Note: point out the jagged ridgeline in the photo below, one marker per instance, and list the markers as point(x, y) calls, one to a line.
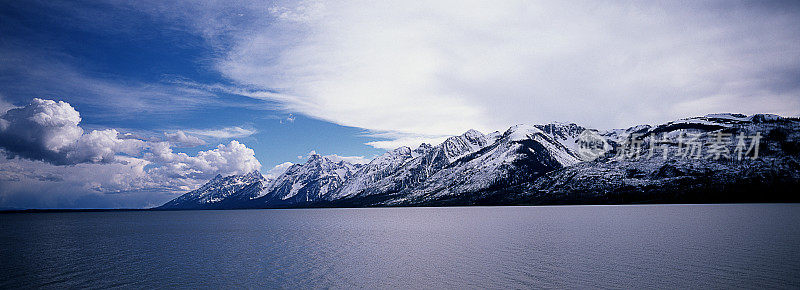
point(715, 158)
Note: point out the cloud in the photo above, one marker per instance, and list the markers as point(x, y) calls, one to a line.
point(394, 140)
point(38, 184)
point(5, 106)
point(103, 146)
point(147, 180)
point(182, 139)
point(38, 139)
point(442, 67)
point(48, 130)
point(36, 71)
point(233, 158)
point(224, 133)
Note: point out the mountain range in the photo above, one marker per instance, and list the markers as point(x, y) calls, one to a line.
point(714, 158)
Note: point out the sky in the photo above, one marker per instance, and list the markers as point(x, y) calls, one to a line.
point(127, 104)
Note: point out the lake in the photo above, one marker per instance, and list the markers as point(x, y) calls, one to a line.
point(637, 246)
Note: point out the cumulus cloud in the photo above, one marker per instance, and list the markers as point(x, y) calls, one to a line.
point(233, 158)
point(180, 138)
point(48, 130)
point(227, 132)
point(102, 146)
point(442, 67)
point(38, 139)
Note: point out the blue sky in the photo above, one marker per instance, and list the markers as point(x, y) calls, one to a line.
point(172, 93)
point(129, 47)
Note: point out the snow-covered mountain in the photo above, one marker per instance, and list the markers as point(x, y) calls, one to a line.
point(533, 165)
point(377, 170)
point(689, 171)
point(521, 153)
point(221, 192)
point(308, 182)
point(413, 169)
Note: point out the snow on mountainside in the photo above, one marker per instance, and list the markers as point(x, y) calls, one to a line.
point(537, 164)
point(220, 190)
point(566, 134)
point(521, 153)
point(415, 171)
point(318, 177)
point(689, 170)
point(376, 170)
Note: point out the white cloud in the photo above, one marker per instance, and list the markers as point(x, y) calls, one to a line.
point(224, 133)
point(45, 124)
point(5, 106)
point(394, 140)
point(38, 139)
point(48, 130)
point(233, 158)
point(180, 138)
point(103, 146)
point(442, 67)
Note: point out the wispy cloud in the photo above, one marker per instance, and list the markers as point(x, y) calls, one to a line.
point(391, 140)
point(443, 67)
point(45, 73)
point(224, 133)
point(180, 138)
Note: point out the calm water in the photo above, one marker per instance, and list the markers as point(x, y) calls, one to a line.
point(663, 246)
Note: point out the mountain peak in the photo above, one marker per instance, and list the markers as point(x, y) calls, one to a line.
point(218, 191)
point(401, 150)
point(254, 173)
point(314, 157)
point(472, 133)
point(423, 147)
point(521, 132)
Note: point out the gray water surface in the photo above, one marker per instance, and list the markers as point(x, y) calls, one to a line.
point(652, 246)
